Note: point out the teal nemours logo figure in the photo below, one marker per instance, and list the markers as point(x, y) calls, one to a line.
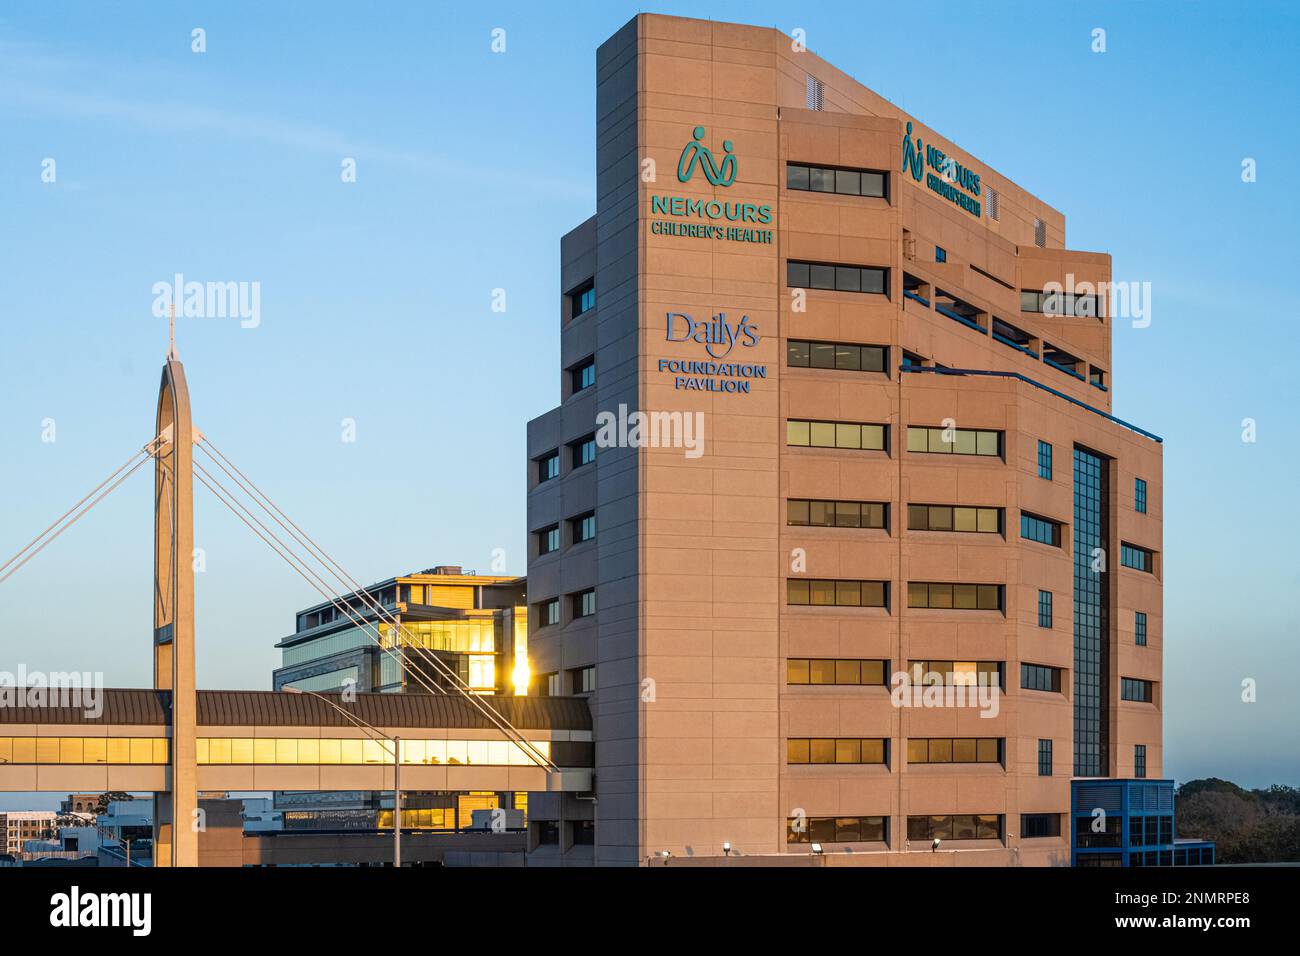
point(695, 151)
point(911, 154)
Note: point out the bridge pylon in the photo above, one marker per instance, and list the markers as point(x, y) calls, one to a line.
point(176, 821)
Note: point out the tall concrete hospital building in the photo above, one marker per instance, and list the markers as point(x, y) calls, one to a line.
point(878, 439)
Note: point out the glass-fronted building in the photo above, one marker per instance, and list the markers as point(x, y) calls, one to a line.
point(477, 625)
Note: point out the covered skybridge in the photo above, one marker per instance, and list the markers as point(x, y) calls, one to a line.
point(266, 740)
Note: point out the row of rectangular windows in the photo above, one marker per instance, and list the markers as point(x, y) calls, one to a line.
point(872, 437)
point(581, 604)
point(855, 672)
point(581, 528)
point(966, 597)
point(844, 182)
point(875, 829)
point(582, 451)
point(806, 512)
point(1131, 688)
point(261, 750)
point(846, 750)
point(850, 435)
point(836, 355)
point(820, 592)
point(834, 277)
point(954, 750)
point(1140, 559)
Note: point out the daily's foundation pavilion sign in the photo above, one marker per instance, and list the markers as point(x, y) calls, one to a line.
point(713, 219)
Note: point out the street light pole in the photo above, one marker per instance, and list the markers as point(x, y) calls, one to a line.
point(397, 765)
point(397, 802)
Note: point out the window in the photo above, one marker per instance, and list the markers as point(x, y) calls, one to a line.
point(1140, 628)
point(584, 679)
point(1140, 495)
point(912, 360)
point(803, 750)
point(956, 673)
point(584, 832)
point(548, 466)
point(583, 298)
point(583, 451)
point(548, 832)
point(1042, 530)
point(837, 355)
point(954, 750)
point(954, 518)
point(1060, 304)
point(583, 375)
point(836, 278)
point(954, 441)
point(940, 254)
point(817, 670)
point(548, 612)
point(803, 512)
point(1044, 758)
point(963, 826)
point(548, 685)
point(1040, 677)
point(961, 597)
point(819, 593)
point(1044, 460)
point(1044, 608)
point(1142, 691)
point(1131, 556)
point(837, 830)
point(548, 539)
point(1097, 377)
point(1139, 760)
point(853, 435)
point(845, 182)
point(583, 527)
point(584, 603)
point(1034, 825)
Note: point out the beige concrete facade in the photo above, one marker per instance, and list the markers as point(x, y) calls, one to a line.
point(693, 629)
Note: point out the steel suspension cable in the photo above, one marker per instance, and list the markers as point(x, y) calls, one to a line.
point(63, 522)
point(295, 561)
point(333, 567)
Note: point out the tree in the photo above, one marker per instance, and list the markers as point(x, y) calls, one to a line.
point(101, 805)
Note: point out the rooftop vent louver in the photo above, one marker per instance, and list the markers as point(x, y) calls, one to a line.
point(995, 211)
point(816, 93)
point(1040, 234)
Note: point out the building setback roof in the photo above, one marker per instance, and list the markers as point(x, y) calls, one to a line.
point(225, 708)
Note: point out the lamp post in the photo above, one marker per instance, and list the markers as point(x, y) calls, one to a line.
point(397, 765)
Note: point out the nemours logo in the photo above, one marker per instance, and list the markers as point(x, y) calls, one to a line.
point(912, 154)
point(74, 908)
point(949, 173)
point(695, 151)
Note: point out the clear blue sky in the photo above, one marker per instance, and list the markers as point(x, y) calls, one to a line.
point(376, 295)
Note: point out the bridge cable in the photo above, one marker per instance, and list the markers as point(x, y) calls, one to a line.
point(33, 548)
point(334, 568)
point(299, 564)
